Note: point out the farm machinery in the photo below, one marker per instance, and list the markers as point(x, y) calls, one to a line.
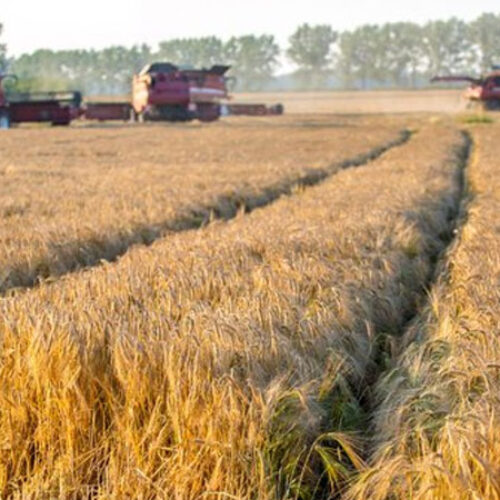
point(57, 108)
point(164, 92)
point(482, 92)
point(160, 92)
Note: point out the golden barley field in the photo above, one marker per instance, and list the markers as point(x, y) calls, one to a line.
point(289, 308)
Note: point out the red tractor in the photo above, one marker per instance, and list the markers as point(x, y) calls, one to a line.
point(483, 91)
point(58, 108)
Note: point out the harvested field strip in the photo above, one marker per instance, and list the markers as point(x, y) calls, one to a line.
point(442, 440)
point(226, 362)
point(52, 229)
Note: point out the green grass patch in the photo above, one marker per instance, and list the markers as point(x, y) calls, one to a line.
point(479, 118)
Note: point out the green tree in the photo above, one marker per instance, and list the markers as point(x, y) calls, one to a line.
point(253, 60)
point(401, 44)
point(311, 49)
point(3, 52)
point(193, 52)
point(447, 46)
point(362, 57)
point(107, 71)
point(40, 70)
point(485, 34)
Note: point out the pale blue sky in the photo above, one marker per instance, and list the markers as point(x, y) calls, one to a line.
point(58, 24)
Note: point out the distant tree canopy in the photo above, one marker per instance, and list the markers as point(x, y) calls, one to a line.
point(310, 48)
point(253, 59)
point(3, 51)
point(447, 46)
point(94, 71)
point(195, 52)
point(400, 54)
point(485, 36)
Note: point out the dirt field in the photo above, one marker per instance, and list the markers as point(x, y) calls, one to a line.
point(233, 310)
point(348, 102)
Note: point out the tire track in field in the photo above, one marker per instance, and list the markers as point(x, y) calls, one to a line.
point(382, 357)
point(91, 253)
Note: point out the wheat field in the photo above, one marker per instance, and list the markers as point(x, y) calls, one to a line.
point(71, 198)
point(292, 308)
point(442, 441)
point(362, 102)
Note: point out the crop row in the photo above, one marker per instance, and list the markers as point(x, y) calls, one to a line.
point(72, 198)
point(438, 417)
point(228, 362)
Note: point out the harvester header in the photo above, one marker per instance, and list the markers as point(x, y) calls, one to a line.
point(482, 91)
point(57, 108)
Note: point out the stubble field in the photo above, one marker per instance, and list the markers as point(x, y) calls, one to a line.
point(363, 102)
point(280, 308)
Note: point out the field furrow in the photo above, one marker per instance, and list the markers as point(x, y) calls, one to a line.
point(73, 199)
point(437, 424)
point(228, 362)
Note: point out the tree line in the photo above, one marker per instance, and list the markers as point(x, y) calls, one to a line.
point(401, 54)
point(3, 52)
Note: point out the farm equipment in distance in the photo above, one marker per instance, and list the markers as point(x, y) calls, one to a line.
point(57, 108)
point(163, 92)
point(482, 92)
point(160, 92)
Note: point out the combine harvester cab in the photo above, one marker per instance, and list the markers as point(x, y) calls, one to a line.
point(483, 92)
point(57, 108)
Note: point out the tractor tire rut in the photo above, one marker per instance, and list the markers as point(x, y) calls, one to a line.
point(384, 357)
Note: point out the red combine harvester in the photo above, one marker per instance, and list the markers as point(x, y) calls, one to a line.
point(482, 92)
point(57, 108)
point(163, 92)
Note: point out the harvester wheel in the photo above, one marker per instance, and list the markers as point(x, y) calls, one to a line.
point(4, 119)
point(208, 112)
point(277, 109)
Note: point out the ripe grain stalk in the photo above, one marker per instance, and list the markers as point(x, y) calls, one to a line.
point(72, 199)
point(441, 440)
point(228, 361)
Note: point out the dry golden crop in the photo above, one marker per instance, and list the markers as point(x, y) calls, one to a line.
point(228, 362)
point(350, 102)
point(438, 419)
point(70, 198)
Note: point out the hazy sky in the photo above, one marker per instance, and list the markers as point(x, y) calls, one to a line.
point(58, 24)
